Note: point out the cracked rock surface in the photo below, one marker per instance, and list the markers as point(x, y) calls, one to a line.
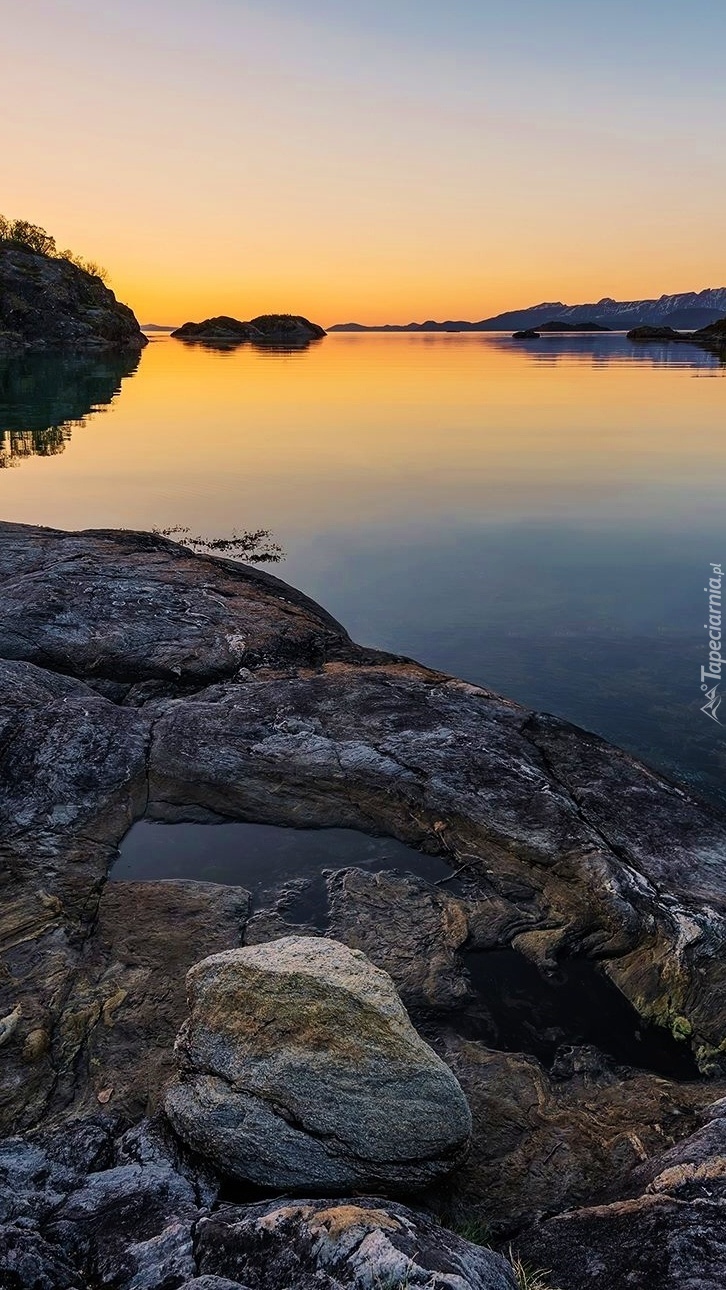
point(139, 680)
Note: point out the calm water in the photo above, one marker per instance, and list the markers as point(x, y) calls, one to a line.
point(265, 859)
point(540, 518)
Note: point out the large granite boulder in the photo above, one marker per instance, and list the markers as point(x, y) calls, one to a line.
point(48, 302)
point(299, 1069)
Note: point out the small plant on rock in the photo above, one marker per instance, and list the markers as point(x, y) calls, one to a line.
point(253, 546)
point(529, 1278)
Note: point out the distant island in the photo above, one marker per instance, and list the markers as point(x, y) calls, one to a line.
point(266, 329)
point(687, 311)
point(51, 299)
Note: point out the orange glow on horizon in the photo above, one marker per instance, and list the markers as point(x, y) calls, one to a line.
point(393, 166)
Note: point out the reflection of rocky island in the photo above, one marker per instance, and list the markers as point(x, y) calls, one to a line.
point(47, 301)
point(268, 329)
point(43, 397)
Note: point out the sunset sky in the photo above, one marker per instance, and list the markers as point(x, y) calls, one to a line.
point(378, 161)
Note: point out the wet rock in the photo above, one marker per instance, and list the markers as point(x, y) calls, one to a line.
point(362, 1243)
point(666, 1229)
point(446, 767)
point(136, 678)
point(407, 927)
point(147, 937)
point(541, 1144)
point(299, 1069)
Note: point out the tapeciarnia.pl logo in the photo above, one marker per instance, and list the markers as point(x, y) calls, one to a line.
point(711, 676)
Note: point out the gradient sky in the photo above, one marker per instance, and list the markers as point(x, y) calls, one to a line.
point(383, 161)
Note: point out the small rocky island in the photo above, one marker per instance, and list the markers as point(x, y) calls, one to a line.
point(198, 1093)
point(712, 337)
point(267, 329)
point(557, 327)
point(48, 302)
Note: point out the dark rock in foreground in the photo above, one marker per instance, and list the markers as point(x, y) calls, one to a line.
point(327, 1245)
point(138, 680)
point(267, 329)
point(669, 1231)
point(95, 1205)
point(50, 303)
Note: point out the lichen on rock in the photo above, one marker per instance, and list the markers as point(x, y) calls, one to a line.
point(299, 1069)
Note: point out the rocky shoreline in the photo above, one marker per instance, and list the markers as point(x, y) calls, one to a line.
point(140, 680)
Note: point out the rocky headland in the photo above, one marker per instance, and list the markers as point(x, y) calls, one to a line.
point(363, 1065)
point(267, 329)
point(48, 302)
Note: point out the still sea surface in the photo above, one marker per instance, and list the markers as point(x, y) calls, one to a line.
point(537, 517)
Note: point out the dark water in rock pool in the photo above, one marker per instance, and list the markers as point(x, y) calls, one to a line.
point(519, 1009)
point(538, 518)
point(263, 858)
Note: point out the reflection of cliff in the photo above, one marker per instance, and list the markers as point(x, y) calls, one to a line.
point(43, 397)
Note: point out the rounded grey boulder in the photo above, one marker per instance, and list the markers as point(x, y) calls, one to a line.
point(299, 1069)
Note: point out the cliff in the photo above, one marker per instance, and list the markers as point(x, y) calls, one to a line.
point(47, 302)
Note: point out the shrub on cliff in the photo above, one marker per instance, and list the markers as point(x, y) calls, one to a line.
point(36, 239)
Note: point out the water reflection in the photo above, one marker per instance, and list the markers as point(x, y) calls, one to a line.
point(612, 348)
point(261, 346)
point(44, 397)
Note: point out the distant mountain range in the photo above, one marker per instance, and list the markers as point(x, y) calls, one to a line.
point(685, 311)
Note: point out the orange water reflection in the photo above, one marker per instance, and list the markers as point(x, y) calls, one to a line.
point(366, 429)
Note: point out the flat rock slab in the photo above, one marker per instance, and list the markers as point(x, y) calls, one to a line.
point(299, 1069)
point(134, 607)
